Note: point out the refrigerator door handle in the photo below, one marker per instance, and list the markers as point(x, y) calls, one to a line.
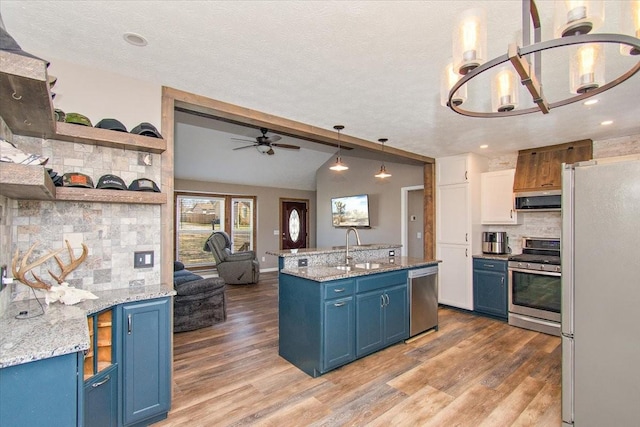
point(567, 248)
point(567, 381)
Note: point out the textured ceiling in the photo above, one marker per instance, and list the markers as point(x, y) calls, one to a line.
point(373, 66)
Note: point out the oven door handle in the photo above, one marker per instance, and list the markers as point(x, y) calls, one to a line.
point(538, 272)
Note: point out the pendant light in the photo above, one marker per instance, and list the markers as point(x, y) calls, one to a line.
point(383, 170)
point(339, 166)
point(630, 21)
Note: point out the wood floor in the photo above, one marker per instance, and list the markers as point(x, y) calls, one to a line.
point(473, 371)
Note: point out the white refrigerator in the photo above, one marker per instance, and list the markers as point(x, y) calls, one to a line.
point(601, 293)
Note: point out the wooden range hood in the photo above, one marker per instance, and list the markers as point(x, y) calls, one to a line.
point(540, 169)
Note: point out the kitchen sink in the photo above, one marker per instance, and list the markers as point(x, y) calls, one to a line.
point(359, 266)
point(368, 265)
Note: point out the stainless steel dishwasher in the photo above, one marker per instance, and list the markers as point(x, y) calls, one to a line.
point(423, 298)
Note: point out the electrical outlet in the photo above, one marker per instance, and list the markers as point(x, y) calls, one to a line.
point(302, 262)
point(392, 253)
point(3, 276)
point(143, 259)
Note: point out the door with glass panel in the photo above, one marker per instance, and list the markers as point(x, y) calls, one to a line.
point(293, 224)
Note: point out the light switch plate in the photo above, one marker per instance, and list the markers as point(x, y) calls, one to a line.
point(143, 259)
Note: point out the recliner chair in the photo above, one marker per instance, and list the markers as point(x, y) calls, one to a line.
point(237, 268)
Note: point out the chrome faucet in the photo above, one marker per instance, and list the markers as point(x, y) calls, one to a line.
point(347, 258)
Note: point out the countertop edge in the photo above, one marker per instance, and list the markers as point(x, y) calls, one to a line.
point(327, 273)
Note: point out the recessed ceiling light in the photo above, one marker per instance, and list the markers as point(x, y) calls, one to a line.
point(135, 39)
point(484, 146)
point(606, 122)
point(590, 102)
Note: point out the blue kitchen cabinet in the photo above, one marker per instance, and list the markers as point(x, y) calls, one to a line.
point(101, 399)
point(45, 393)
point(101, 371)
point(490, 289)
point(382, 311)
point(316, 323)
point(339, 324)
point(145, 373)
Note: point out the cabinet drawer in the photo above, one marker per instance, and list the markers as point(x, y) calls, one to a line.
point(489, 265)
point(379, 281)
point(338, 289)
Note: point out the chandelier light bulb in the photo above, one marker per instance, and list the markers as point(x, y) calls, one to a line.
point(587, 68)
point(449, 78)
point(470, 41)
point(575, 17)
point(504, 90)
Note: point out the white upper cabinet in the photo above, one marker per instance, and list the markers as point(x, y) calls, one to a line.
point(452, 170)
point(496, 198)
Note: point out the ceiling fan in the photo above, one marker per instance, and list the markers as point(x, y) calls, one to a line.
point(264, 144)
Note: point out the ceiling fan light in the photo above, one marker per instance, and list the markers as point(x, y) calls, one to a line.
point(504, 90)
point(586, 68)
point(575, 17)
point(470, 40)
point(449, 78)
point(263, 148)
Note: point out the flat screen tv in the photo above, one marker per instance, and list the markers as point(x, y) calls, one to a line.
point(350, 211)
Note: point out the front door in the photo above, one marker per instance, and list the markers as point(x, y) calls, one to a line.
point(293, 224)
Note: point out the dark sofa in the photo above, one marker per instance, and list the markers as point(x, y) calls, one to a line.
point(199, 302)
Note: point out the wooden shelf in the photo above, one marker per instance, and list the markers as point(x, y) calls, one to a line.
point(26, 105)
point(30, 182)
point(23, 182)
point(108, 138)
point(79, 194)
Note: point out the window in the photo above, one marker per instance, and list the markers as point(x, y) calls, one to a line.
point(198, 214)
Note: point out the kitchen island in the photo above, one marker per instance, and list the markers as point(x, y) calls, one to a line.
point(50, 361)
point(330, 314)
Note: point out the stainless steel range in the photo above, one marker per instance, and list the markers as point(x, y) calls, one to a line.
point(534, 286)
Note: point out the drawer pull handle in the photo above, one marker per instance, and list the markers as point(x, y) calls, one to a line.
point(387, 298)
point(511, 214)
point(339, 304)
point(466, 176)
point(99, 383)
point(129, 324)
point(466, 237)
point(381, 300)
point(489, 265)
point(466, 253)
point(502, 280)
point(337, 291)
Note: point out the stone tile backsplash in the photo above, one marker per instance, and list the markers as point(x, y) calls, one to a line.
point(111, 231)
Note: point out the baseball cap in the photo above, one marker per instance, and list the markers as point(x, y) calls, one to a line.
point(146, 129)
point(111, 181)
point(77, 119)
point(77, 179)
point(143, 184)
point(111, 124)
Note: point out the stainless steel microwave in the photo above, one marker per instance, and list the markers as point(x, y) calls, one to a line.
point(538, 201)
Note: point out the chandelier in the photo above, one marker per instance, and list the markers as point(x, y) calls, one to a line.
point(574, 22)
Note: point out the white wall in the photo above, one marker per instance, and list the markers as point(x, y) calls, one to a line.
point(384, 198)
point(99, 94)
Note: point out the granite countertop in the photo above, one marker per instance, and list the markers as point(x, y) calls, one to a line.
point(326, 273)
point(332, 249)
point(61, 329)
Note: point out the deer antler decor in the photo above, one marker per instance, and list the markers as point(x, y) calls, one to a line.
point(75, 262)
point(20, 272)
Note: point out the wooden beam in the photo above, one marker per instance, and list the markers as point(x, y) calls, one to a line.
point(254, 118)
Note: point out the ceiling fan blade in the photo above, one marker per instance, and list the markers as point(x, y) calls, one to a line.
point(268, 139)
point(246, 146)
point(288, 146)
point(274, 138)
point(242, 140)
